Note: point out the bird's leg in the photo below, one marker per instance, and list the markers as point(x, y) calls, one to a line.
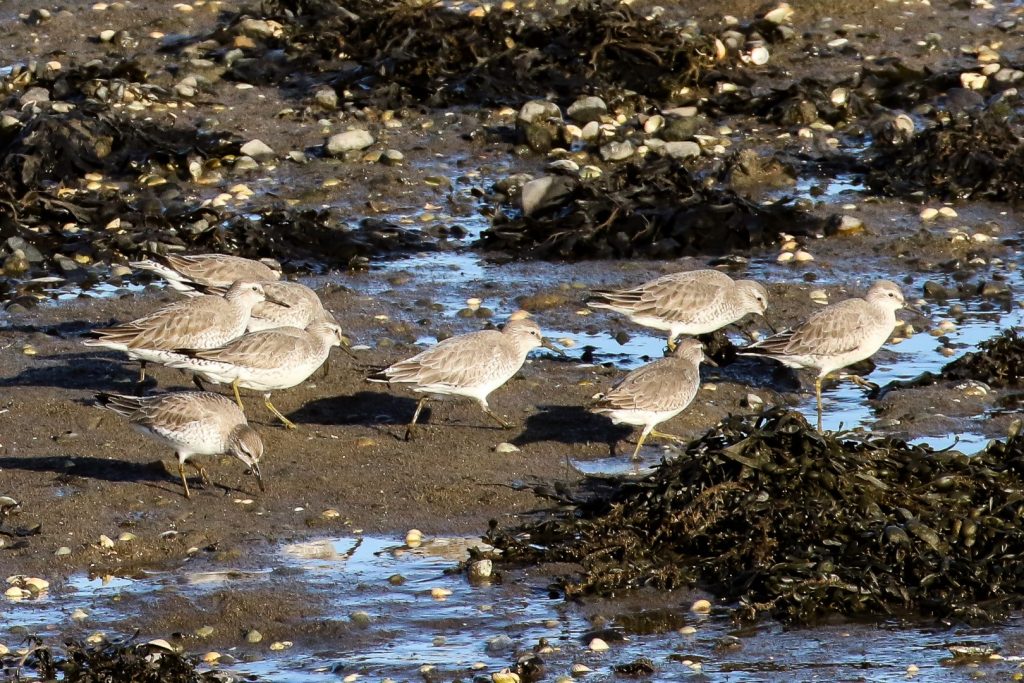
point(861, 382)
point(238, 397)
point(817, 393)
point(270, 406)
point(670, 437)
point(184, 481)
point(494, 416)
point(671, 343)
point(415, 416)
point(142, 371)
point(198, 382)
point(639, 443)
point(202, 472)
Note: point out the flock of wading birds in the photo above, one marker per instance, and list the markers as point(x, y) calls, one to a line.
point(240, 325)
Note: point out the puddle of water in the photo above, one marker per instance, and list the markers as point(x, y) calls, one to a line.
point(408, 627)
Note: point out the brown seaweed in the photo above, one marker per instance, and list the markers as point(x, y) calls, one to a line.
point(778, 519)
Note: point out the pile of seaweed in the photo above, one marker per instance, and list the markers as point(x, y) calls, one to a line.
point(415, 53)
point(970, 155)
point(653, 208)
point(61, 129)
point(999, 361)
point(126, 660)
point(767, 513)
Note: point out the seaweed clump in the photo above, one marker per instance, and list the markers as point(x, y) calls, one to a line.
point(413, 54)
point(769, 514)
point(999, 361)
point(969, 155)
point(650, 208)
point(125, 660)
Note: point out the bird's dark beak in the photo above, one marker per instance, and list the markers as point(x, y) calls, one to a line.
point(548, 344)
point(915, 309)
point(277, 301)
point(710, 361)
point(345, 344)
point(768, 324)
point(255, 469)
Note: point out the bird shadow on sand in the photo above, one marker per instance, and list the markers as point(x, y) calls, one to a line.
point(570, 425)
point(366, 408)
point(90, 370)
point(154, 474)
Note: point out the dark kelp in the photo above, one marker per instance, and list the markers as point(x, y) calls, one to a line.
point(401, 53)
point(652, 208)
point(124, 660)
point(779, 519)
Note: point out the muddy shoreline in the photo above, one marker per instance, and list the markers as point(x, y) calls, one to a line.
point(387, 240)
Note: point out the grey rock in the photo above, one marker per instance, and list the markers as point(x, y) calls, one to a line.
point(257, 149)
point(539, 125)
point(255, 28)
point(326, 98)
point(933, 290)
point(33, 95)
point(539, 110)
point(392, 157)
point(246, 163)
point(544, 192)
point(681, 149)
point(587, 109)
point(617, 150)
point(339, 143)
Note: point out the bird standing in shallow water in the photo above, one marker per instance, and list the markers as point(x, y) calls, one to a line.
point(192, 423)
point(839, 335)
point(690, 302)
point(471, 365)
point(655, 392)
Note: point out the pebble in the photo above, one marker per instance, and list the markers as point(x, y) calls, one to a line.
point(912, 669)
point(339, 143)
point(687, 630)
point(439, 593)
point(819, 296)
point(947, 212)
point(681, 149)
point(481, 569)
point(579, 669)
point(617, 150)
point(79, 615)
point(413, 538)
point(587, 109)
point(106, 541)
point(802, 256)
point(850, 225)
point(62, 551)
point(281, 645)
point(253, 636)
point(598, 645)
point(701, 607)
point(211, 657)
point(257, 149)
point(505, 676)
point(505, 447)
point(204, 631)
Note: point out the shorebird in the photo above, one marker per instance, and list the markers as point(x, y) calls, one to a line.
point(836, 336)
point(192, 423)
point(691, 302)
point(655, 392)
point(470, 365)
point(265, 361)
point(289, 304)
point(183, 273)
point(201, 322)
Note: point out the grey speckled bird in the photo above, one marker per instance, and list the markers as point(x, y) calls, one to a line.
point(288, 304)
point(202, 322)
point(471, 365)
point(655, 392)
point(839, 335)
point(192, 423)
point(208, 270)
point(690, 302)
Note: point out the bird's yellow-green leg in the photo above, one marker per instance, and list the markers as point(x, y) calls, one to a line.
point(270, 406)
point(670, 437)
point(639, 443)
point(238, 397)
point(817, 393)
point(142, 371)
point(415, 416)
point(672, 343)
point(202, 472)
point(184, 481)
point(496, 418)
